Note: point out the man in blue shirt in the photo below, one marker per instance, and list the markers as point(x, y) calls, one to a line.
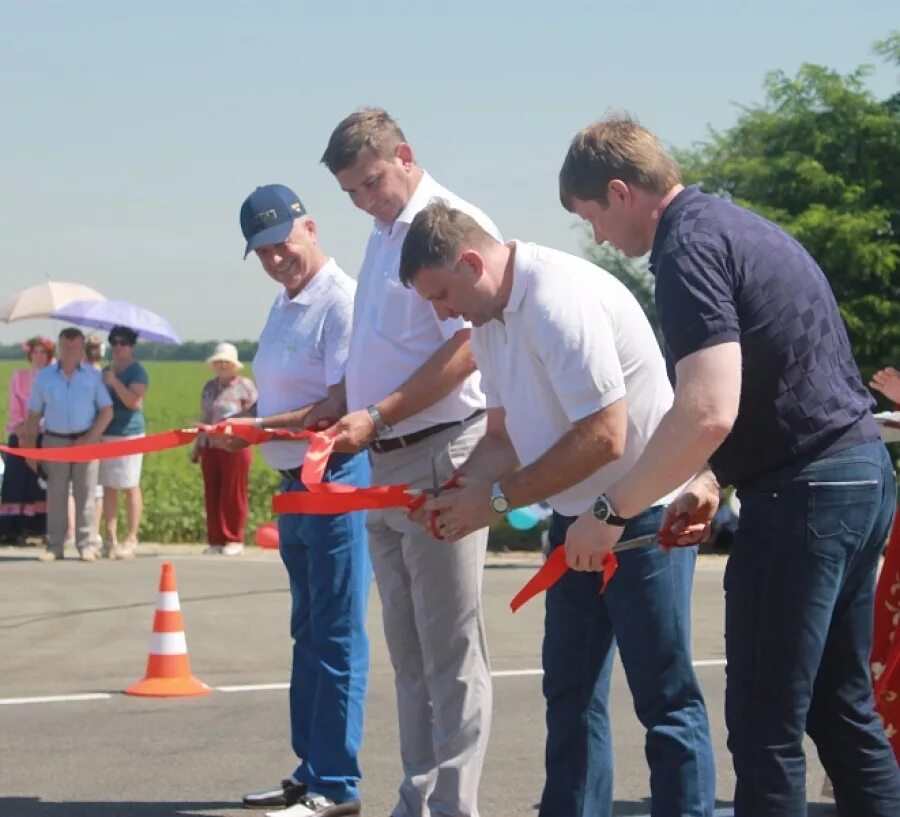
point(767, 392)
point(76, 408)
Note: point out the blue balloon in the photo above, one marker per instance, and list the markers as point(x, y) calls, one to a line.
point(522, 518)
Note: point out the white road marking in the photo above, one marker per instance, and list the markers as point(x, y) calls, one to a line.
point(100, 696)
point(719, 812)
point(512, 673)
point(53, 699)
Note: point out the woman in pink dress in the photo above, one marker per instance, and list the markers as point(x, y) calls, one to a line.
point(23, 502)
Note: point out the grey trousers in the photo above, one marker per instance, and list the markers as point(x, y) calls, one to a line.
point(83, 478)
point(431, 602)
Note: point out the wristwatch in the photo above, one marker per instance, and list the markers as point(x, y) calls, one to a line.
point(605, 513)
point(382, 429)
point(499, 502)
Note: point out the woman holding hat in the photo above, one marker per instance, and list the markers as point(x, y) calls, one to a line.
point(225, 473)
point(23, 502)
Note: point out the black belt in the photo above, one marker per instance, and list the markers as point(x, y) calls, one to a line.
point(393, 443)
point(74, 436)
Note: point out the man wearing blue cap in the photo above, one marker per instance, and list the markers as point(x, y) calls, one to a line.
point(299, 366)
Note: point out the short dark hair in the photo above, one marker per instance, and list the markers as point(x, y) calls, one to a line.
point(125, 333)
point(371, 128)
point(616, 147)
point(71, 333)
point(437, 236)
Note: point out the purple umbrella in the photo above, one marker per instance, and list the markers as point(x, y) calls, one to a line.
point(107, 314)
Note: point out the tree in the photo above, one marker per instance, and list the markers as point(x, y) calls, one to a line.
point(634, 274)
point(821, 157)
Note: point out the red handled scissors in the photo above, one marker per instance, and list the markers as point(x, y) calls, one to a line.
point(435, 490)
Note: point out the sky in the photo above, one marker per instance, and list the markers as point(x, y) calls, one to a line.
point(131, 133)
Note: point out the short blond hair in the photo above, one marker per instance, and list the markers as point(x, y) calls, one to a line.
point(436, 237)
point(370, 128)
point(616, 147)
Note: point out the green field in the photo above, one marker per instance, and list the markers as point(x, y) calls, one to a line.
point(172, 486)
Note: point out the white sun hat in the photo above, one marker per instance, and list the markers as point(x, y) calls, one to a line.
point(226, 353)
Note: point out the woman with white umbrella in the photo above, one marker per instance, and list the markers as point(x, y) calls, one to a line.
point(127, 381)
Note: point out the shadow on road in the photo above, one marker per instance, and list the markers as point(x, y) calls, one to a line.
point(632, 808)
point(35, 807)
point(22, 620)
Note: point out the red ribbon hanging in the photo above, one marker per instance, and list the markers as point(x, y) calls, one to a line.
point(320, 497)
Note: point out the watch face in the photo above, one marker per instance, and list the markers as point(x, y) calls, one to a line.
point(602, 509)
point(500, 504)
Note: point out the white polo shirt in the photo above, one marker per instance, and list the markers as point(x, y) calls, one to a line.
point(302, 351)
point(395, 330)
point(572, 341)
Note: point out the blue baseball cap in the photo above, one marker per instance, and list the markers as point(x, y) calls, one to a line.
point(267, 215)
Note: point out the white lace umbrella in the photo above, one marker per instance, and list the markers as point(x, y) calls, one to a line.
point(42, 300)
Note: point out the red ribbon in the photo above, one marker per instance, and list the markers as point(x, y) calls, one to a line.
point(319, 498)
point(552, 571)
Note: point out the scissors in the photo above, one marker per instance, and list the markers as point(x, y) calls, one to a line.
point(435, 490)
point(640, 541)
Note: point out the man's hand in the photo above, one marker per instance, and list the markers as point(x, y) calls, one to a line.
point(109, 376)
point(229, 442)
point(352, 432)
point(588, 541)
point(88, 438)
point(687, 520)
point(323, 414)
point(460, 511)
point(887, 381)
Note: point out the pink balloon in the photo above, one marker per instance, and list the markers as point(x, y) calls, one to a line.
point(267, 536)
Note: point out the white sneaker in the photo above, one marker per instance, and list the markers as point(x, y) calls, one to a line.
point(50, 556)
point(126, 550)
point(212, 550)
point(89, 553)
point(233, 549)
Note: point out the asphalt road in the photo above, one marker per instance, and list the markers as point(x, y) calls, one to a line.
point(73, 629)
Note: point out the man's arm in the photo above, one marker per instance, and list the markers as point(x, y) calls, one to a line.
point(30, 428)
point(132, 396)
point(449, 366)
point(331, 406)
point(707, 396)
point(494, 456)
point(591, 443)
point(102, 419)
point(326, 411)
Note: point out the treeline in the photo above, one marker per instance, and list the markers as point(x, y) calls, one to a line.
point(191, 350)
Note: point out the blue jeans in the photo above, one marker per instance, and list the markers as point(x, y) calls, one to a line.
point(327, 560)
point(799, 597)
point(646, 609)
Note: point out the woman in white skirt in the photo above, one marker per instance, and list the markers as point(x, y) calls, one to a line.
point(127, 382)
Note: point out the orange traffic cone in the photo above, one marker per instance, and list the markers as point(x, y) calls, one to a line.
point(168, 667)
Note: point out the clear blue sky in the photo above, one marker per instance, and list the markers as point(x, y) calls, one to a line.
point(132, 132)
